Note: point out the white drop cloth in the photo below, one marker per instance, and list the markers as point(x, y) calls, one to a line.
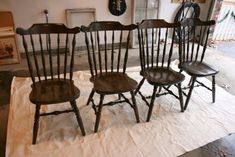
point(170, 132)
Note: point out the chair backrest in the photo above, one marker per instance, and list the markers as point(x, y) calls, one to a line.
point(107, 45)
point(50, 45)
point(156, 42)
point(194, 38)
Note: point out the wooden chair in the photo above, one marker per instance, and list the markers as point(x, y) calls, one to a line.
point(155, 58)
point(108, 63)
point(51, 85)
point(192, 53)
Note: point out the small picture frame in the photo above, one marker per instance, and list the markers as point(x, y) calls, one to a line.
point(8, 50)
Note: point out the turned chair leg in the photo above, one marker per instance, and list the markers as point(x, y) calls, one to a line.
point(36, 122)
point(79, 119)
point(151, 103)
point(98, 114)
point(190, 82)
point(193, 80)
point(139, 86)
point(213, 88)
point(90, 96)
point(181, 98)
point(135, 107)
point(119, 97)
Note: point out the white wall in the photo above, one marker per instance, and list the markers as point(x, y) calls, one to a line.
point(27, 12)
point(168, 10)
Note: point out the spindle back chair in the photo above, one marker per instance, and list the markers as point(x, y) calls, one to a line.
point(156, 47)
point(45, 42)
point(109, 40)
point(192, 53)
point(108, 47)
point(42, 43)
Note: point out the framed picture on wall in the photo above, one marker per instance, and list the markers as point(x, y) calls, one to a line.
point(8, 50)
point(180, 1)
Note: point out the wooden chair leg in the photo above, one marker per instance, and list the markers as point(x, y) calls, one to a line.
point(135, 107)
point(190, 82)
point(36, 122)
point(213, 88)
point(119, 96)
point(189, 93)
point(181, 97)
point(139, 86)
point(90, 96)
point(98, 114)
point(151, 104)
point(79, 119)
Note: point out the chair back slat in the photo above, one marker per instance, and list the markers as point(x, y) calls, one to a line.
point(152, 49)
point(188, 42)
point(72, 56)
point(164, 47)
point(153, 45)
point(34, 56)
point(99, 52)
point(50, 55)
point(171, 49)
point(28, 58)
point(126, 52)
point(142, 48)
point(119, 51)
point(105, 51)
point(140, 36)
point(42, 57)
point(49, 43)
point(93, 50)
point(182, 36)
point(195, 39)
point(110, 52)
point(89, 55)
point(158, 45)
point(147, 47)
point(198, 44)
point(205, 43)
point(58, 55)
point(193, 42)
point(65, 54)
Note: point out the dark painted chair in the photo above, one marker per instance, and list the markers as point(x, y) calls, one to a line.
point(107, 46)
point(194, 38)
point(156, 44)
point(52, 80)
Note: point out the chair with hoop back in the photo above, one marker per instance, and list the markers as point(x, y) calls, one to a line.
point(156, 45)
point(51, 68)
point(194, 35)
point(107, 45)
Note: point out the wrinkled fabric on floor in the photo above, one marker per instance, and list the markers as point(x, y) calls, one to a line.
point(169, 133)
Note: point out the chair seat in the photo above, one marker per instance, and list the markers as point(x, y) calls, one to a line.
point(114, 83)
point(198, 69)
point(162, 76)
point(50, 91)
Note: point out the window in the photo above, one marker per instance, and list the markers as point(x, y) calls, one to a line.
point(144, 9)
